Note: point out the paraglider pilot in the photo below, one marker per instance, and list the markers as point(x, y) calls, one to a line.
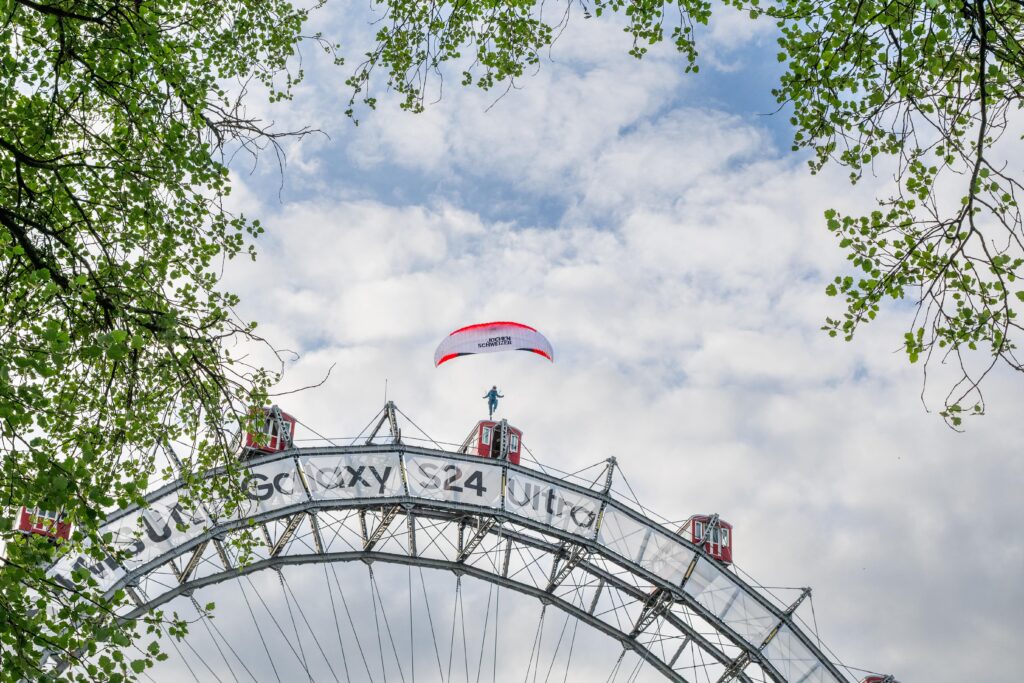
point(492, 397)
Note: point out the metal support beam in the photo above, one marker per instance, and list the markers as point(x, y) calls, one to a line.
point(609, 471)
point(484, 525)
point(679, 651)
point(597, 595)
point(508, 556)
point(286, 535)
point(314, 524)
point(134, 595)
point(175, 570)
point(659, 603)
point(410, 525)
point(192, 563)
point(173, 457)
point(735, 667)
point(222, 553)
point(577, 554)
point(388, 415)
point(554, 568)
point(804, 594)
point(378, 533)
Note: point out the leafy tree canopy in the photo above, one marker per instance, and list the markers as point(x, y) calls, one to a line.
point(113, 131)
point(114, 127)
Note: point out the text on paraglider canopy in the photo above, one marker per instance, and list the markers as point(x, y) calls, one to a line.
point(495, 341)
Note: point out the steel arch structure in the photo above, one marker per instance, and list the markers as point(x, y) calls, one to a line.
point(576, 548)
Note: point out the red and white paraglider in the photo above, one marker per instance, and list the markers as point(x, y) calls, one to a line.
point(490, 438)
point(491, 338)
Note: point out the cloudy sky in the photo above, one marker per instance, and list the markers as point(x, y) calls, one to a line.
point(656, 227)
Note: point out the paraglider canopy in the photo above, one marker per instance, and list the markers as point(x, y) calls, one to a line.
point(490, 338)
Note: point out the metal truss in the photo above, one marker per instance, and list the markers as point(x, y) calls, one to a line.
point(658, 622)
point(600, 593)
point(664, 624)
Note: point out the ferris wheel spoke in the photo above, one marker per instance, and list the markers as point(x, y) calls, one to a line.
point(430, 620)
point(295, 627)
point(572, 644)
point(528, 566)
point(536, 642)
point(615, 668)
point(554, 655)
point(703, 665)
point(355, 632)
point(656, 638)
point(208, 623)
point(337, 625)
point(387, 624)
point(180, 653)
point(376, 623)
point(280, 629)
point(312, 632)
point(455, 608)
point(465, 645)
point(497, 633)
point(412, 630)
point(636, 670)
point(259, 631)
point(615, 610)
point(483, 638)
point(202, 661)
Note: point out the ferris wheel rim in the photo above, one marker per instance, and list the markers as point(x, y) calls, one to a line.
point(423, 507)
point(280, 562)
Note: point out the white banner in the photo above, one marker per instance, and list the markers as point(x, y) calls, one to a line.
point(473, 483)
point(358, 475)
point(549, 504)
point(667, 557)
point(623, 535)
point(271, 486)
point(144, 535)
point(141, 536)
point(652, 548)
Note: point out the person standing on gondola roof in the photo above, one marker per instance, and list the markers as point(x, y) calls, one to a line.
point(492, 397)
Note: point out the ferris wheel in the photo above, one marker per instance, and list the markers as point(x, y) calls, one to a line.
point(388, 558)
